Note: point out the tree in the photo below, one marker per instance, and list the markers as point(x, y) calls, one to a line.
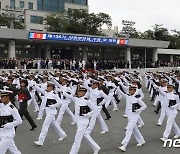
point(78, 21)
point(175, 40)
point(128, 30)
point(158, 33)
point(6, 20)
point(56, 23)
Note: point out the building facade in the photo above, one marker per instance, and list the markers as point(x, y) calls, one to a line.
point(33, 44)
point(32, 12)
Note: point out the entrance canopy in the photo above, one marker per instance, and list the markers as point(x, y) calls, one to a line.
point(32, 37)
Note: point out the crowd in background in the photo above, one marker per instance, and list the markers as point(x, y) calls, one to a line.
point(72, 64)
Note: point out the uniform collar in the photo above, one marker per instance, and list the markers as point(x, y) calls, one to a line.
point(6, 104)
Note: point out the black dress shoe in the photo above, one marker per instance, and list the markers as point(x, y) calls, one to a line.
point(33, 128)
point(156, 112)
point(108, 118)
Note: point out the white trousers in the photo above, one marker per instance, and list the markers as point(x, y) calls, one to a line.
point(156, 101)
point(8, 144)
point(50, 120)
point(33, 100)
point(140, 121)
point(162, 116)
point(83, 134)
point(132, 128)
point(171, 124)
point(97, 115)
point(112, 100)
point(41, 110)
point(64, 108)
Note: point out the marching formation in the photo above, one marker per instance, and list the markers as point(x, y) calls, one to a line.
point(90, 94)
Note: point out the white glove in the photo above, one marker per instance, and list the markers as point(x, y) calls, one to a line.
point(8, 125)
point(86, 115)
point(52, 106)
point(120, 82)
point(138, 111)
point(155, 86)
point(5, 87)
point(99, 106)
point(174, 107)
point(20, 101)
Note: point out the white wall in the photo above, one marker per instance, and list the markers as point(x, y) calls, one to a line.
point(29, 25)
point(168, 51)
point(75, 6)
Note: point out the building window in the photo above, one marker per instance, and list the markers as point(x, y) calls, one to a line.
point(39, 4)
point(61, 5)
point(12, 4)
point(47, 5)
point(30, 6)
point(21, 4)
point(54, 5)
point(70, 1)
point(84, 2)
point(36, 20)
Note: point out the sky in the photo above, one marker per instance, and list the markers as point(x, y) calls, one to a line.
point(145, 13)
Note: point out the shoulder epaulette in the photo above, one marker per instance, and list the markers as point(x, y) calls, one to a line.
point(12, 106)
point(85, 98)
point(166, 91)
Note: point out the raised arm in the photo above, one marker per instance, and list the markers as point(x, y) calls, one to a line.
point(56, 83)
point(39, 89)
point(69, 96)
point(121, 93)
point(104, 96)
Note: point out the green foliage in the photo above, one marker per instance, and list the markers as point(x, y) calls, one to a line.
point(77, 21)
point(5, 20)
point(161, 33)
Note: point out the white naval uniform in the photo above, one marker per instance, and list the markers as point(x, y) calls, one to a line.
point(132, 118)
point(178, 82)
point(51, 112)
point(161, 99)
point(94, 94)
point(171, 113)
point(43, 86)
point(74, 87)
point(65, 103)
point(7, 133)
point(82, 124)
point(32, 93)
point(111, 95)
